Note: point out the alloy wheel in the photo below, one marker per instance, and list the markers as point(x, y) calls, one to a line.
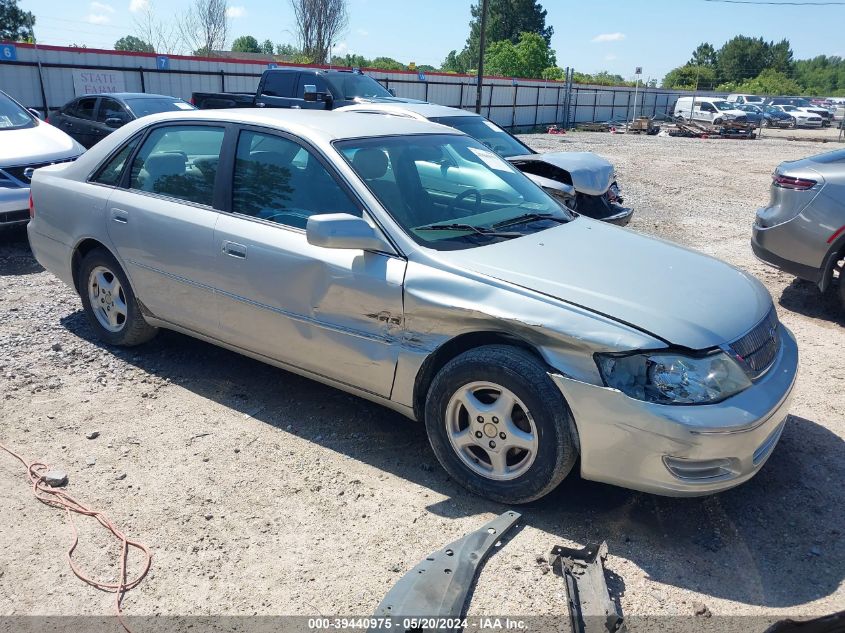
point(492, 431)
point(108, 301)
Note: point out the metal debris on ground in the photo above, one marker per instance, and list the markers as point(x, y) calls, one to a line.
point(591, 609)
point(439, 585)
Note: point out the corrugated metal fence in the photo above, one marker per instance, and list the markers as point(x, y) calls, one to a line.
point(41, 77)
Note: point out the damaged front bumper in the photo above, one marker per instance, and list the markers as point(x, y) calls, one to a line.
point(681, 450)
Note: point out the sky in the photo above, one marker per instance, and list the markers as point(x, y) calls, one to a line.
point(612, 35)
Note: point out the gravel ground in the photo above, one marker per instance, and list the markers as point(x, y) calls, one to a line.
point(261, 492)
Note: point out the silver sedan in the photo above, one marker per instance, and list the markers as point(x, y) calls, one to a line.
point(468, 299)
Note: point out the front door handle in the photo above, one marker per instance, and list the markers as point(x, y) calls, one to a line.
point(119, 215)
point(233, 249)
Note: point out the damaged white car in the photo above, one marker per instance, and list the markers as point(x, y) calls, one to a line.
point(323, 243)
point(583, 181)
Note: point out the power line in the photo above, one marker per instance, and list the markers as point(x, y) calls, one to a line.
point(780, 4)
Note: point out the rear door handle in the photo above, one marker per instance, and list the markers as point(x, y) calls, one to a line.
point(233, 249)
point(119, 215)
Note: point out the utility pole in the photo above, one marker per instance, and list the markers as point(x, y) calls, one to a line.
point(481, 41)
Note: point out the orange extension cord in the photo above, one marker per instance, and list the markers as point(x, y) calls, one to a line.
point(58, 499)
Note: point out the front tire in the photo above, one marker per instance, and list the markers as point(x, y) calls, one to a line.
point(109, 302)
point(499, 425)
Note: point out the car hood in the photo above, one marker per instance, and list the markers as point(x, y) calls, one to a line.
point(683, 297)
point(591, 174)
point(40, 144)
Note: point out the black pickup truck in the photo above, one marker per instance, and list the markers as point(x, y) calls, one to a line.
point(304, 88)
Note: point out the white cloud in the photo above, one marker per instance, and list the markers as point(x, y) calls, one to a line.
point(340, 49)
point(235, 12)
point(97, 18)
point(609, 37)
point(99, 6)
point(609, 57)
point(138, 5)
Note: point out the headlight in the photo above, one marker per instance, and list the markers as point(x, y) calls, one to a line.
point(666, 378)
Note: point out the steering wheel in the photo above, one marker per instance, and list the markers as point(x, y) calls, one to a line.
point(463, 196)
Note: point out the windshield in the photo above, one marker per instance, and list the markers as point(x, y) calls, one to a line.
point(351, 85)
point(142, 106)
point(487, 132)
point(450, 192)
point(753, 99)
point(750, 108)
point(773, 110)
point(13, 116)
point(789, 108)
point(723, 105)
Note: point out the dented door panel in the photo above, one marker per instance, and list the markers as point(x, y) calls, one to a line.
point(333, 312)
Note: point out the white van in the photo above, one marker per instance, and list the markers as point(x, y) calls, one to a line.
point(713, 110)
point(747, 99)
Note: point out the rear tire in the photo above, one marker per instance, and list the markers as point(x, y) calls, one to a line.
point(109, 302)
point(499, 425)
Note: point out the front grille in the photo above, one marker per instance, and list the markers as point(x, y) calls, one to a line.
point(760, 346)
point(18, 173)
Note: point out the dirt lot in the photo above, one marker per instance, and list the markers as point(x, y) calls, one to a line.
point(260, 492)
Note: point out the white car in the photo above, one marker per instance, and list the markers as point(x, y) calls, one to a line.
point(713, 110)
point(26, 143)
point(801, 117)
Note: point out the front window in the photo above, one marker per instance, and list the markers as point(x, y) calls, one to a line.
point(451, 192)
point(13, 116)
point(151, 105)
point(351, 85)
point(488, 133)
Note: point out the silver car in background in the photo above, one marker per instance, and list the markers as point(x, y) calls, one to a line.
point(309, 240)
point(26, 143)
point(802, 230)
point(583, 181)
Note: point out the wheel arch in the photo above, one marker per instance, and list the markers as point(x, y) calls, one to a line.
point(82, 249)
point(453, 348)
point(834, 254)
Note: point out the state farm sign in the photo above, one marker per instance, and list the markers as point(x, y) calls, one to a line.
point(88, 82)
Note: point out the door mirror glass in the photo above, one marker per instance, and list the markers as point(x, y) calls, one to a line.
point(310, 92)
point(115, 122)
point(342, 230)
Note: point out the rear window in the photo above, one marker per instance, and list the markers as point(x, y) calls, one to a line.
point(279, 84)
point(144, 106)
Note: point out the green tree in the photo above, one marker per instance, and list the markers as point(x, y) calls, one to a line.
point(426, 68)
point(133, 44)
point(15, 24)
point(352, 61)
point(506, 20)
point(266, 47)
point(387, 63)
point(768, 82)
point(690, 77)
point(703, 55)
point(821, 75)
point(288, 50)
point(553, 72)
point(780, 57)
point(246, 44)
point(742, 58)
point(529, 57)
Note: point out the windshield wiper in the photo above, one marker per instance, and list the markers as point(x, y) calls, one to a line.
point(530, 217)
point(466, 227)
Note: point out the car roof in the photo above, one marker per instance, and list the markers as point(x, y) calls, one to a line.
point(131, 95)
point(328, 125)
point(426, 110)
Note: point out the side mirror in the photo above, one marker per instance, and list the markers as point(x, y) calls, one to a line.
point(36, 113)
point(114, 122)
point(310, 92)
point(342, 230)
point(392, 92)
